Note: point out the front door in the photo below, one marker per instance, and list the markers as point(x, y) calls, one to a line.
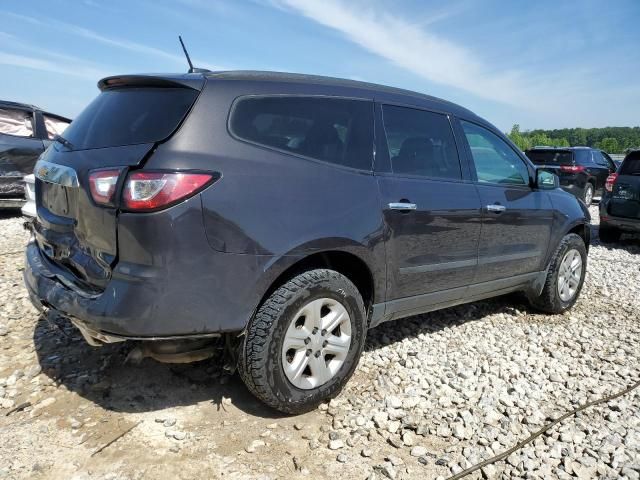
point(432, 213)
point(516, 218)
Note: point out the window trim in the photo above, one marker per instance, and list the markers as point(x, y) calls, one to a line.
point(32, 113)
point(233, 135)
point(448, 116)
point(472, 165)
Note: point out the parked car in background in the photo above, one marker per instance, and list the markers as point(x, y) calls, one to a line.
point(25, 131)
point(620, 204)
point(583, 171)
point(289, 214)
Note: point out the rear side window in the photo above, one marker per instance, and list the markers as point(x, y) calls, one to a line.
point(128, 116)
point(333, 130)
point(16, 122)
point(54, 126)
point(550, 157)
point(420, 143)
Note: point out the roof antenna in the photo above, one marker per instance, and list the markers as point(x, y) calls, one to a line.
point(192, 69)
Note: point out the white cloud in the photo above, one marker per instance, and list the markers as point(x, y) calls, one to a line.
point(569, 93)
point(41, 64)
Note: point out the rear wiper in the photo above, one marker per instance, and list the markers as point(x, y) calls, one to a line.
point(63, 141)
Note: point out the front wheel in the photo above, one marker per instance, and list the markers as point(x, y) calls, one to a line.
point(565, 276)
point(304, 342)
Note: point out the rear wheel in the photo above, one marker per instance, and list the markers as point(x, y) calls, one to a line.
point(565, 276)
point(588, 194)
point(304, 342)
point(609, 234)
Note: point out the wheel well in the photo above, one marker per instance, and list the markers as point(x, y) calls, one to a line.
point(584, 232)
point(349, 265)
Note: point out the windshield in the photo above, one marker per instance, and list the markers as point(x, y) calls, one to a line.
point(550, 157)
point(129, 116)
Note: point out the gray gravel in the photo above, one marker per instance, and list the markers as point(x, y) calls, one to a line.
point(432, 395)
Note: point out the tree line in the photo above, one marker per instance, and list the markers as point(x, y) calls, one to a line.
point(609, 139)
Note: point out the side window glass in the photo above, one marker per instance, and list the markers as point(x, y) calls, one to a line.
point(420, 143)
point(54, 126)
point(16, 122)
point(333, 130)
point(494, 160)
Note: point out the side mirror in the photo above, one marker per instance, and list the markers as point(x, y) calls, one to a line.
point(546, 180)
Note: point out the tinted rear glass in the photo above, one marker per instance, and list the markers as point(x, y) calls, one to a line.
point(550, 157)
point(129, 116)
point(334, 130)
point(631, 165)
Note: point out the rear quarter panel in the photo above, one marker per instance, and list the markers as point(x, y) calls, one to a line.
point(269, 203)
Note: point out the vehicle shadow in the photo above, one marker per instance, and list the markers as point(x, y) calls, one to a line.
point(628, 241)
point(104, 376)
point(10, 213)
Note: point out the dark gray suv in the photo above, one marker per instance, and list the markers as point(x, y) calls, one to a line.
point(288, 214)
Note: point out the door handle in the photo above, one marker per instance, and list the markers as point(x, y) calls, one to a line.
point(402, 206)
point(495, 208)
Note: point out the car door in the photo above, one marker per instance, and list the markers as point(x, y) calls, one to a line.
point(19, 149)
point(430, 207)
point(516, 218)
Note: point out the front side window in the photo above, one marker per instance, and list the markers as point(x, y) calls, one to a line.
point(54, 126)
point(16, 122)
point(494, 160)
point(420, 143)
point(333, 130)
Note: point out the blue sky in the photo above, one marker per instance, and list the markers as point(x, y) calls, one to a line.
point(543, 64)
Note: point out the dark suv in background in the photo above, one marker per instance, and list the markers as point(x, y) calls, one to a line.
point(25, 131)
point(583, 171)
point(620, 204)
point(289, 214)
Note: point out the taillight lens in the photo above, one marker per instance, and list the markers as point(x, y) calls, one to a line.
point(572, 168)
point(102, 184)
point(155, 190)
point(611, 179)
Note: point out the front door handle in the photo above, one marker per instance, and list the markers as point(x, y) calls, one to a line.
point(495, 208)
point(402, 206)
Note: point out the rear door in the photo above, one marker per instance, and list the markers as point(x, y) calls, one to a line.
point(431, 210)
point(115, 132)
point(625, 195)
point(516, 219)
point(19, 150)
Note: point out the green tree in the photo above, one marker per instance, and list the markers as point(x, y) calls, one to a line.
point(609, 145)
point(521, 141)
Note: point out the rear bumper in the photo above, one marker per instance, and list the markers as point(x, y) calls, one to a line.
point(625, 224)
point(146, 305)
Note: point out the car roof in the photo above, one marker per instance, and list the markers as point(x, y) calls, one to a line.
point(21, 106)
point(305, 79)
point(26, 106)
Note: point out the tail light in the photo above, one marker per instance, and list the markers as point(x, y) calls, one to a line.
point(102, 184)
point(144, 191)
point(572, 168)
point(611, 179)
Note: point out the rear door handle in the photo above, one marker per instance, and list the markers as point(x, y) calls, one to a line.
point(402, 206)
point(495, 208)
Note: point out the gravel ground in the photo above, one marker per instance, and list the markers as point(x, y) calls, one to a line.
point(432, 395)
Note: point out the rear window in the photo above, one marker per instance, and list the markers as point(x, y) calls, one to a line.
point(333, 130)
point(631, 165)
point(550, 157)
point(129, 116)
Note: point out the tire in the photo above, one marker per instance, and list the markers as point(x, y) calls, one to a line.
point(263, 358)
point(587, 195)
point(551, 300)
point(609, 234)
